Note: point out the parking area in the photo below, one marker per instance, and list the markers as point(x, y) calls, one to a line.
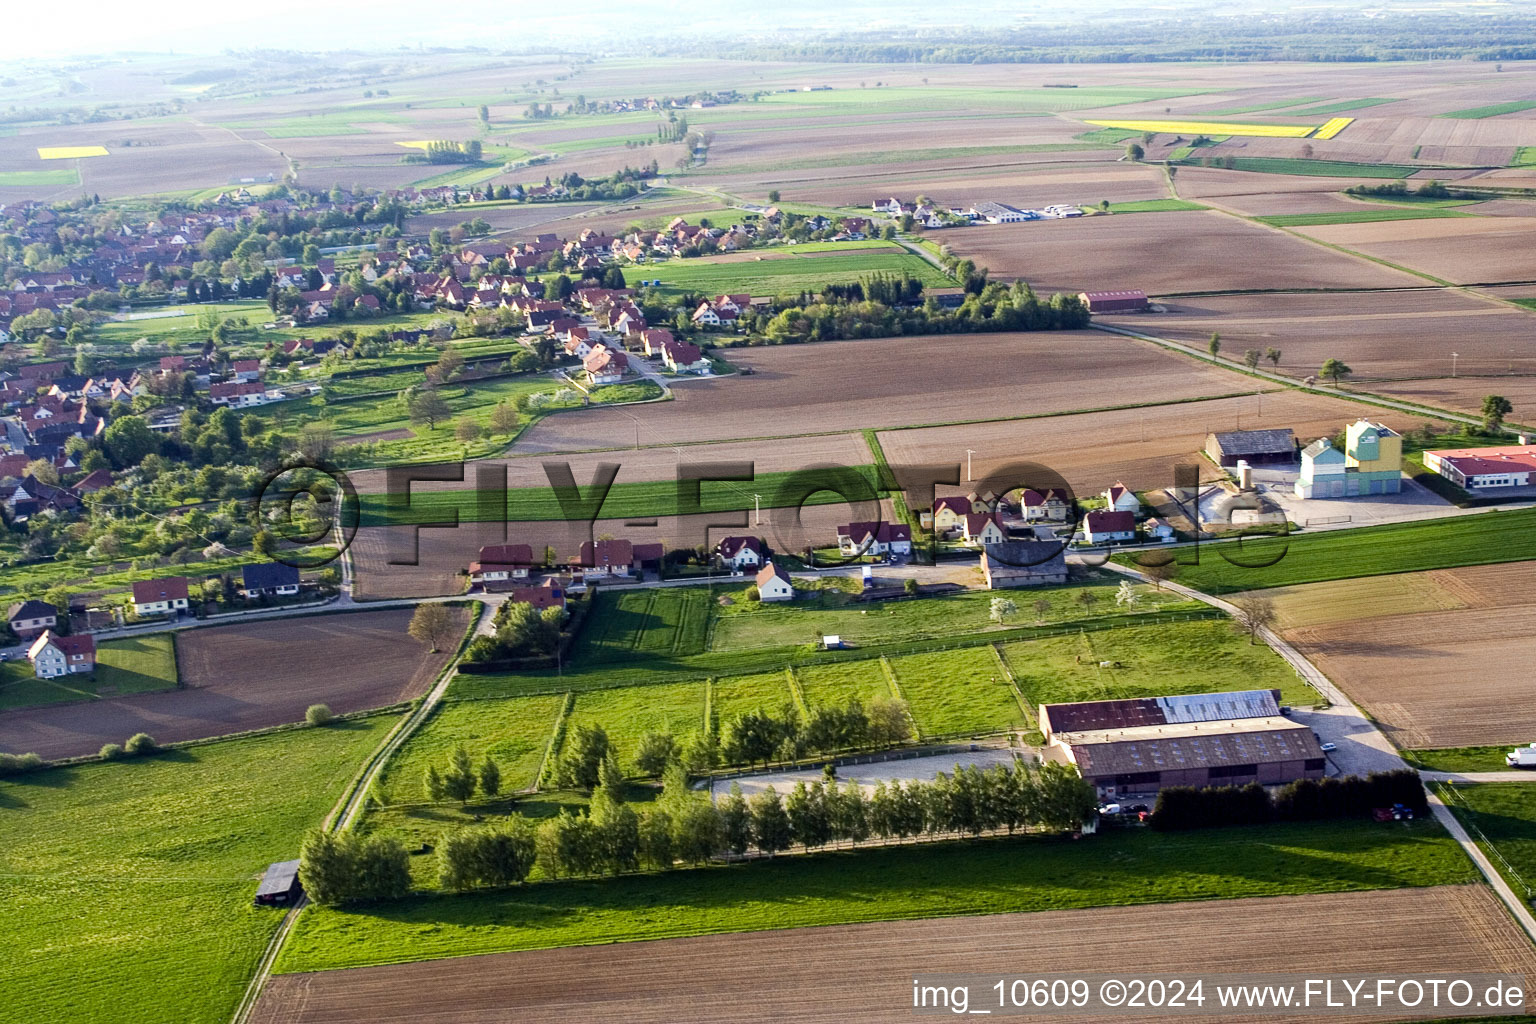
point(1413, 502)
point(909, 769)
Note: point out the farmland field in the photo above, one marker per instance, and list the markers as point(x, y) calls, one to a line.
point(734, 696)
point(229, 683)
point(1277, 131)
point(836, 685)
point(964, 691)
point(515, 732)
point(784, 271)
point(628, 714)
point(892, 883)
point(671, 621)
point(795, 975)
point(1461, 250)
point(1439, 678)
point(1098, 253)
point(134, 879)
point(69, 152)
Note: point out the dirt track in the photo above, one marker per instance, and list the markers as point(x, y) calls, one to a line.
point(863, 973)
point(243, 677)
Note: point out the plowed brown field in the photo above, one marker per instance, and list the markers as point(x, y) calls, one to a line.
point(1462, 250)
point(862, 974)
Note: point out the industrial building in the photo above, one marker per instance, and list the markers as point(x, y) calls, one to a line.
point(1128, 300)
point(1137, 746)
point(1256, 447)
point(1371, 463)
point(1477, 468)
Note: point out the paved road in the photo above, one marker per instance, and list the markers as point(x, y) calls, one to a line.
point(1501, 776)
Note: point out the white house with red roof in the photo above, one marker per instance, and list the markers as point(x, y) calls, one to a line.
point(683, 357)
point(874, 538)
point(1053, 505)
point(980, 528)
point(1478, 468)
point(238, 394)
point(1103, 526)
point(1120, 498)
point(53, 655)
point(500, 564)
point(163, 596)
point(604, 366)
point(774, 584)
point(741, 552)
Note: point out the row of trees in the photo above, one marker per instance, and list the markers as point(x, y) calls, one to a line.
point(342, 868)
point(998, 307)
point(460, 778)
point(1354, 796)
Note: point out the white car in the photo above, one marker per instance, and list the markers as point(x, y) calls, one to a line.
point(1329, 748)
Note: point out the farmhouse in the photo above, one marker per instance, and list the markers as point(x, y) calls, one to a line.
point(550, 595)
point(1125, 301)
point(981, 528)
point(499, 564)
point(53, 655)
point(1052, 506)
point(1136, 746)
point(160, 597)
point(1103, 525)
point(774, 584)
point(270, 578)
point(1120, 498)
point(29, 619)
point(1023, 563)
point(874, 539)
point(1476, 468)
point(1257, 447)
point(741, 552)
point(1371, 463)
point(604, 366)
point(280, 885)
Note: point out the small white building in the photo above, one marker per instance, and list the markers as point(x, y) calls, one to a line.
point(1120, 498)
point(774, 584)
point(741, 552)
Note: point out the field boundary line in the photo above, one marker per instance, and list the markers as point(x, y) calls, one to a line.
point(906, 705)
point(797, 693)
point(1013, 684)
point(709, 702)
point(556, 736)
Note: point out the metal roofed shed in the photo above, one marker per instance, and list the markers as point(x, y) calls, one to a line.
point(1260, 447)
point(280, 885)
point(1127, 300)
point(1134, 712)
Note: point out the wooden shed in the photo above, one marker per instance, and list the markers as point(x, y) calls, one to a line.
point(280, 885)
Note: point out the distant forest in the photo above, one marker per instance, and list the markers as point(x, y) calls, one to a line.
point(1507, 35)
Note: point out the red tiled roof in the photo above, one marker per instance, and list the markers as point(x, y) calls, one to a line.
point(171, 588)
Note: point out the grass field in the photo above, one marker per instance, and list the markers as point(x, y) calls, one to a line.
point(1481, 539)
point(663, 621)
point(514, 731)
point(628, 714)
point(1491, 110)
point(133, 880)
point(1269, 131)
point(1329, 109)
point(734, 696)
point(894, 883)
point(963, 691)
point(836, 685)
point(69, 152)
point(748, 625)
point(136, 664)
point(1316, 168)
point(1303, 220)
point(1506, 813)
point(1201, 656)
point(1459, 759)
point(23, 179)
point(778, 274)
point(1155, 206)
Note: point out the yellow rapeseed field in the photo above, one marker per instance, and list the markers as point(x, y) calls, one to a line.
point(418, 144)
point(1274, 131)
point(69, 152)
point(1333, 127)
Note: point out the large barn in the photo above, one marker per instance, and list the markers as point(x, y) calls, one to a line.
point(1135, 747)
point(1128, 300)
point(1256, 447)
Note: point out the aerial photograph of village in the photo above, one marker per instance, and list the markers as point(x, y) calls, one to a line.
point(704, 516)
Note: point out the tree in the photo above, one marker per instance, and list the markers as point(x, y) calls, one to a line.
point(325, 868)
point(43, 470)
point(1273, 355)
point(459, 779)
point(1160, 573)
point(319, 714)
point(773, 195)
point(1002, 609)
point(770, 824)
point(1214, 345)
point(427, 407)
point(1126, 595)
point(736, 821)
point(140, 744)
point(910, 587)
point(1254, 614)
point(432, 782)
point(1306, 151)
point(432, 624)
point(588, 747)
point(1495, 408)
point(503, 418)
point(128, 440)
point(1086, 598)
point(490, 777)
point(1251, 358)
point(1134, 152)
point(467, 431)
point(654, 751)
point(1042, 608)
point(1335, 368)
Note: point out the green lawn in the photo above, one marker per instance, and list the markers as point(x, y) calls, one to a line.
point(659, 622)
point(1506, 813)
point(1460, 759)
point(1316, 168)
point(1302, 220)
point(1342, 106)
point(960, 691)
point(129, 884)
point(778, 274)
point(835, 685)
point(1480, 539)
point(1201, 656)
point(1491, 110)
point(735, 696)
point(1525, 156)
point(24, 179)
point(1155, 206)
point(136, 664)
point(514, 731)
point(749, 625)
point(628, 714)
point(1026, 874)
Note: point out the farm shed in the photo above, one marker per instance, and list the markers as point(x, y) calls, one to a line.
point(1257, 447)
point(1023, 563)
point(1130, 300)
point(1136, 747)
point(280, 885)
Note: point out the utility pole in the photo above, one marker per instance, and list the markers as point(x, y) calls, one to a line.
point(757, 510)
point(968, 475)
point(1454, 356)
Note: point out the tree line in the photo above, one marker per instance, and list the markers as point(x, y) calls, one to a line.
point(1354, 796)
point(997, 307)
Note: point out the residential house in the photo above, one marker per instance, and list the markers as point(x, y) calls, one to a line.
point(981, 528)
point(247, 369)
point(1103, 526)
point(1157, 530)
point(875, 538)
point(606, 366)
point(653, 338)
point(1023, 563)
point(549, 595)
point(774, 584)
point(1052, 506)
point(501, 564)
point(684, 357)
point(612, 557)
point(949, 513)
point(741, 552)
point(164, 596)
point(1120, 498)
point(238, 394)
point(29, 619)
point(270, 579)
point(53, 655)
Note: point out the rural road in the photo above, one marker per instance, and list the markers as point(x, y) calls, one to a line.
point(1517, 906)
